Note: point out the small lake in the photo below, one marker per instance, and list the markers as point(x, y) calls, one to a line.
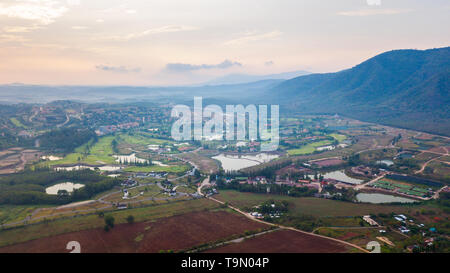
point(386, 162)
point(404, 156)
point(238, 162)
point(340, 176)
point(68, 186)
point(379, 198)
point(51, 157)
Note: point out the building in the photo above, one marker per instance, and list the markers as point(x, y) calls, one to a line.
point(370, 221)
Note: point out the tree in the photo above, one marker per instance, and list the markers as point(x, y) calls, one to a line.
point(109, 221)
point(130, 219)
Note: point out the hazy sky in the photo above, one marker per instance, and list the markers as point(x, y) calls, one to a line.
point(172, 42)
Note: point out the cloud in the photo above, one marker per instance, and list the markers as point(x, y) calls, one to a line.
point(79, 27)
point(371, 12)
point(268, 63)
point(251, 37)
point(43, 12)
point(118, 69)
point(10, 38)
point(151, 31)
point(181, 67)
point(20, 29)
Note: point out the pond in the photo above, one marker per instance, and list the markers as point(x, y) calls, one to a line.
point(379, 198)
point(51, 157)
point(68, 186)
point(238, 162)
point(386, 162)
point(340, 176)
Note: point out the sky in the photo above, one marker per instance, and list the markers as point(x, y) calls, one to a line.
point(177, 42)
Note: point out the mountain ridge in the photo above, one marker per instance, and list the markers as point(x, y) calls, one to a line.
point(387, 88)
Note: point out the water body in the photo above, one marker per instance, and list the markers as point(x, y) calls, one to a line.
point(379, 198)
point(340, 176)
point(51, 157)
point(238, 162)
point(68, 186)
point(386, 162)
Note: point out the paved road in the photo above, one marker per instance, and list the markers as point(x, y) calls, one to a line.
point(431, 160)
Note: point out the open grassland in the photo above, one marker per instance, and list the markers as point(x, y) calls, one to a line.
point(156, 168)
point(142, 139)
point(338, 137)
point(17, 123)
point(46, 229)
point(12, 214)
point(203, 163)
point(90, 153)
point(317, 207)
point(309, 148)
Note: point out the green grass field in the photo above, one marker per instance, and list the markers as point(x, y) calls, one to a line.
point(309, 148)
point(142, 139)
point(17, 123)
point(156, 168)
point(317, 207)
point(97, 154)
point(338, 137)
point(11, 214)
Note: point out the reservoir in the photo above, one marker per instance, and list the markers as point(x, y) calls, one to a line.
point(238, 162)
point(68, 186)
point(379, 198)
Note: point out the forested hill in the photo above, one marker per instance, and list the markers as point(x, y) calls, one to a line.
point(406, 88)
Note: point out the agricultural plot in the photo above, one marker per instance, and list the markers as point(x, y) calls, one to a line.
point(284, 241)
point(93, 221)
point(317, 207)
point(172, 233)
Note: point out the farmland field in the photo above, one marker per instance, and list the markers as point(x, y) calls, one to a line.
point(171, 233)
point(65, 225)
point(317, 207)
point(284, 241)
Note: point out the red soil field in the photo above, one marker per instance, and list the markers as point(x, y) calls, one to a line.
point(329, 162)
point(441, 150)
point(172, 233)
point(283, 241)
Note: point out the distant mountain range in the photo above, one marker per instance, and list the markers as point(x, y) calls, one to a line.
point(405, 88)
point(246, 78)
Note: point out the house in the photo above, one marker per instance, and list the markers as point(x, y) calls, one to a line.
point(129, 183)
point(370, 221)
point(122, 206)
point(125, 194)
point(403, 229)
